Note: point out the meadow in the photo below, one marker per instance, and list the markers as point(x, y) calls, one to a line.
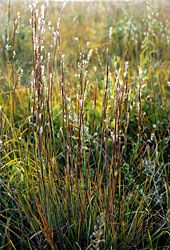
point(85, 125)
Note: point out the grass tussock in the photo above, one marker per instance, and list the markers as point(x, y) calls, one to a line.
point(84, 126)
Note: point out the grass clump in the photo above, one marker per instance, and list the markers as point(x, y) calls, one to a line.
point(84, 127)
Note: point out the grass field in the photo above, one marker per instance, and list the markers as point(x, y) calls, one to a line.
point(84, 125)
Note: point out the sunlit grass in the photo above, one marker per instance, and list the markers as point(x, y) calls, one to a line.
point(84, 127)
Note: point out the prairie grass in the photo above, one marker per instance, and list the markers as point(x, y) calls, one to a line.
point(84, 126)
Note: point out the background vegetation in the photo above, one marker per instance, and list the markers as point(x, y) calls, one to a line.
point(84, 125)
